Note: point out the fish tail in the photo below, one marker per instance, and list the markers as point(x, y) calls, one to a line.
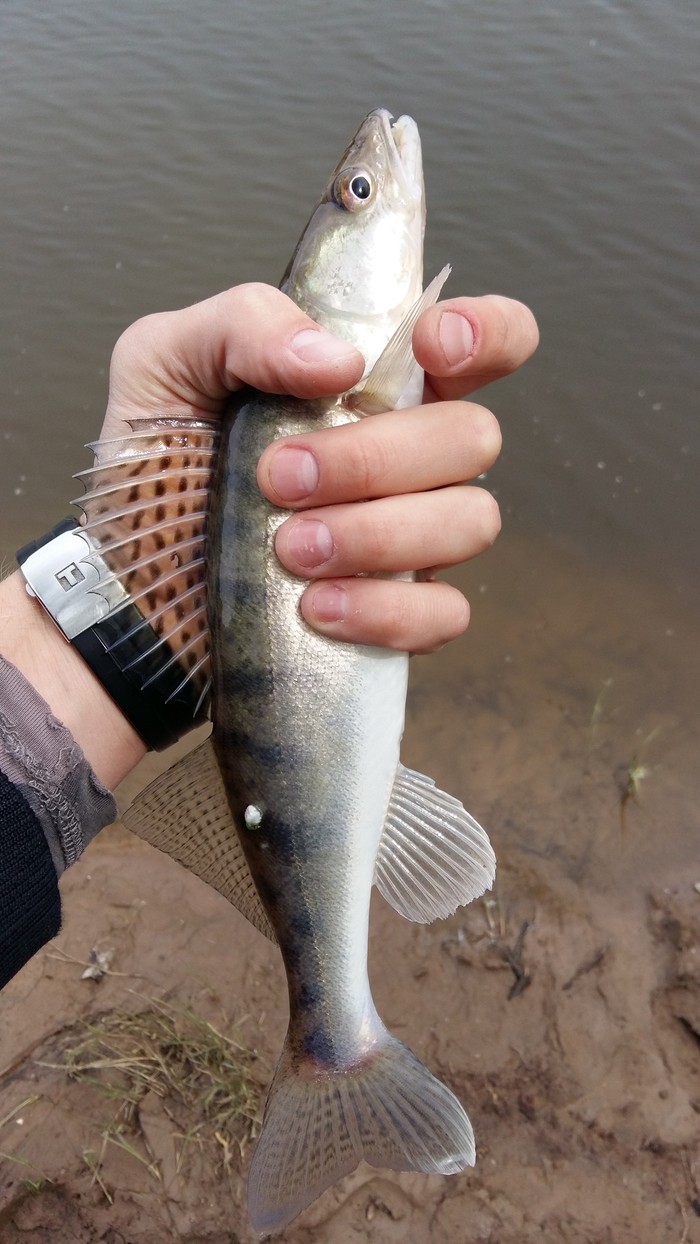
point(388, 1110)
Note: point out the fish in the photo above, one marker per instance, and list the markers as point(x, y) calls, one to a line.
point(298, 804)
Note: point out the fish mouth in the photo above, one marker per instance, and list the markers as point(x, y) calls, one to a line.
point(402, 145)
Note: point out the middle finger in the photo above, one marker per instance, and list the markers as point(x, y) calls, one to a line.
point(394, 534)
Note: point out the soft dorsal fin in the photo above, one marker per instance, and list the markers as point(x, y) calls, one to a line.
point(185, 813)
point(433, 856)
point(392, 373)
point(146, 507)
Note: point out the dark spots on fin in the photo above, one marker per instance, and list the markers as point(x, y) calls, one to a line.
point(134, 493)
point(160, 488)
point(165, 462)
point(154, 572)
point(159, 542)
point(182, 486)
point(137, 470)
point(160, 513)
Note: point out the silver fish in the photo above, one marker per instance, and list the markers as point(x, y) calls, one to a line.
point(303, 803)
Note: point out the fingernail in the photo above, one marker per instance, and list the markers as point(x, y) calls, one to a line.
point(456, 337)
point(309, 542)
point(329, 603)
point(293, 473)
point(315, 345)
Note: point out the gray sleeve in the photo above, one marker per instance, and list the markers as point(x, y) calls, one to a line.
point(42, 759)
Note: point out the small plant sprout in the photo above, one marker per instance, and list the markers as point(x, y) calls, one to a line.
point(633, 774)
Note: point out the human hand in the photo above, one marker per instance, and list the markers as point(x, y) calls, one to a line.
point(408, 467)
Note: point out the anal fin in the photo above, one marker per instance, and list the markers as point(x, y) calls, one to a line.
point(433, 856)
point(185, 813)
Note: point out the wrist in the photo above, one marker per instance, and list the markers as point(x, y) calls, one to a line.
point(35, 645)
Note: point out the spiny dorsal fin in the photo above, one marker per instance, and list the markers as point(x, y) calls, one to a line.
point(146, 507)
point(392, 373)
point(185, 813)
point(433, 856)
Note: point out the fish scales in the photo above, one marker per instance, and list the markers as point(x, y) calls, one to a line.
point(301, 803)
point(323, 800)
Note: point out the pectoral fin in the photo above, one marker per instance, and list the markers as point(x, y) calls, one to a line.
point(146, 507)
point(393, 371)
point(185, 813)
point(433, 856)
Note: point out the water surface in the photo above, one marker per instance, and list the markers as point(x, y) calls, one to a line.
point(153, 154)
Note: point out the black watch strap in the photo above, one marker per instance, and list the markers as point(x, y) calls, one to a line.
point(65, 572)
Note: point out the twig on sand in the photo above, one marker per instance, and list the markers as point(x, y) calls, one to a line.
point(513, 956)
point(588, 965)
point(686, 1224)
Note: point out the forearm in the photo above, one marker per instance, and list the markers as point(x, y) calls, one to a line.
point(31, 641)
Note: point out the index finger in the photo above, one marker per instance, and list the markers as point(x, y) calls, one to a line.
point(384, 455)
point(464, 343)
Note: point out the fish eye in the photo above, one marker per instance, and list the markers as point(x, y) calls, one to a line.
point(353, 189)
point(360, 187)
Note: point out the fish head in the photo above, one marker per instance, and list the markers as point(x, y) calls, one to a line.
point(358, 267)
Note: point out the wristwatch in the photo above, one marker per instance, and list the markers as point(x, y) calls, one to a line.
point(67, 574)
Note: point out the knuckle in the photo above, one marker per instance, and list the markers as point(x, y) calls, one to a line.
point(485, 516)
point(456, 615)
point(137, 333)
point(446, 617)
point(486, 433)
point(366, 465)
point(374, 536)
point(513, 330)
point(476, 438)
point(398, 617)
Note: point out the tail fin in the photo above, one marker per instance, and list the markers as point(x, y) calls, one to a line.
point(389, 1110)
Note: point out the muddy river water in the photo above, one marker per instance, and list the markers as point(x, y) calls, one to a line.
point(153, 154)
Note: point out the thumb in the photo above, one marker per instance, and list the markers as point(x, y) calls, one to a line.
point(190, 360)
